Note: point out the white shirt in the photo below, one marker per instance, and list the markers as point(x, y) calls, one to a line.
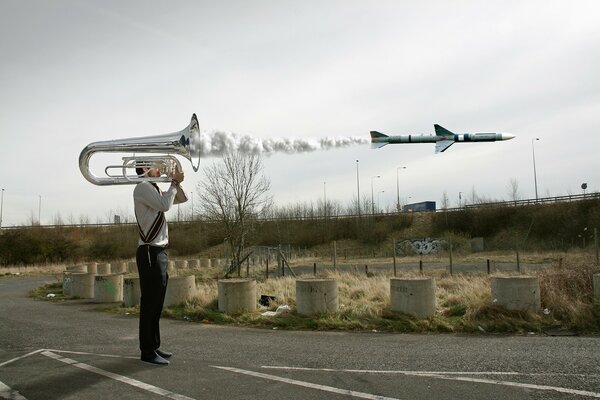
point(150, 204)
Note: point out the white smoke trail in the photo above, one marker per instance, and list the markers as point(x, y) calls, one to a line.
point(217, 143)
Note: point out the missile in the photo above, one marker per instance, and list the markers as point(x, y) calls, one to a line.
point(443, 138)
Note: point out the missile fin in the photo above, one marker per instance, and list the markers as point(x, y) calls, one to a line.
point(443, 145)
point(441, 131)
point(375, 134)
point(378, 145)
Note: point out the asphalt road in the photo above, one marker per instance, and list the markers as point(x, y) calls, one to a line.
point(69, 350)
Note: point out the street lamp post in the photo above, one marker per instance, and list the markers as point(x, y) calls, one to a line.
point(398, 189)
point(40, 211)
point(357, 189)
point(459, 199)
point(372, 200)
point(378, 207)
point(534, 171)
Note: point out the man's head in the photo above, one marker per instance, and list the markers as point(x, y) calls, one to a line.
point(150, 172)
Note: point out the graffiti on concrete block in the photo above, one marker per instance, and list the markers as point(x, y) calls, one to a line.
point(418, 246)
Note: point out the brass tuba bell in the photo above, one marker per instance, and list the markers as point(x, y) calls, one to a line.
point(183, 143)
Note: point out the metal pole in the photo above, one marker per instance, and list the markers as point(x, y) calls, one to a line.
point(398, 189)
point(357, 189)
point(40, 211)
point(534, 171)
point(372, 199)
point(394, 252)
point(451, 266)
point(335, 255)
point(596, 245)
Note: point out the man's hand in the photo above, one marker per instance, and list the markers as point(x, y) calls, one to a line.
point(177, 175)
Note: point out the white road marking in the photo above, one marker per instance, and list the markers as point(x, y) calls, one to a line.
point(91, 354)
point(307, 384)
point(120, 378)
point(20, 357)
point(448, 376)
point(9, 394)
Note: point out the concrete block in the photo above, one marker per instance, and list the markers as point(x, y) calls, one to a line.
point(315, 296)
point(413, 296)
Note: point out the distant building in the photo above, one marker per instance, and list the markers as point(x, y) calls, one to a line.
point(419, 207)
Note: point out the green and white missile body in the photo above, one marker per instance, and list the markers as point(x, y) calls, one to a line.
point(443, 138)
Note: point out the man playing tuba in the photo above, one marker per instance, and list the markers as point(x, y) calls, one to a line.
point(150, 204)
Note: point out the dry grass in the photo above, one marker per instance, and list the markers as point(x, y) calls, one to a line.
point(463, 301)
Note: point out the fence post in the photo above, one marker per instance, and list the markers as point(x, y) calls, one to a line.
point(394, 252)
point(367, 270)
point(596, 245)
point(421, 266)
point(488, 266)
point(315, 269)
point(267, 277)
point(517, 248)
point(335, 255)
point(451, 266)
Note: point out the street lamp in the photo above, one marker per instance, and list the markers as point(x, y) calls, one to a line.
point(40, 211)
point(459, 199)
point(357, 189)
point(1, 208)
point(398, 188)
point(379, 208)
point(372, 202)
point(534, 172)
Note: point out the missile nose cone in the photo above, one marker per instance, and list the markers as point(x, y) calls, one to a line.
point(507, 136)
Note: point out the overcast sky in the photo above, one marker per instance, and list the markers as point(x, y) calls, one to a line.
point(75, 72)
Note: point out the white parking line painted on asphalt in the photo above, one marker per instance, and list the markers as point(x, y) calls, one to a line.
point(453, 376)
point(120, 378)
point(20, 357)
point(9, 394)
point(307, 384)
point(91, 354)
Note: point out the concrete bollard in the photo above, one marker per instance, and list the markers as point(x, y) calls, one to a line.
point(316, 296)
point(132, 267)
point(103, 269)
point(171, 268)
point(180, 289)
point(82, 285)
point(204, 263)
point(119, 268)
point(413, 296)
point(181, 264)
point(517, 292)
point(237, 295)
point(92, 268)
point(108, 288)
point(131, 291)
point(67, 284)
point(193, 264)
point(77, 268)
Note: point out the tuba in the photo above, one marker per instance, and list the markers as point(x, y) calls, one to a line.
point(183, 143)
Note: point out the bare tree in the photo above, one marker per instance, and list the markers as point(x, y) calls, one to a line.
point(235, 191)
point(514, 193)
point(445, 201)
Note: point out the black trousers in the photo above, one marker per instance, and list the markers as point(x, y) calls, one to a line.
point(152, 267)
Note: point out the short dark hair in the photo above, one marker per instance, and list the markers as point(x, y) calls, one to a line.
point(139, 171)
